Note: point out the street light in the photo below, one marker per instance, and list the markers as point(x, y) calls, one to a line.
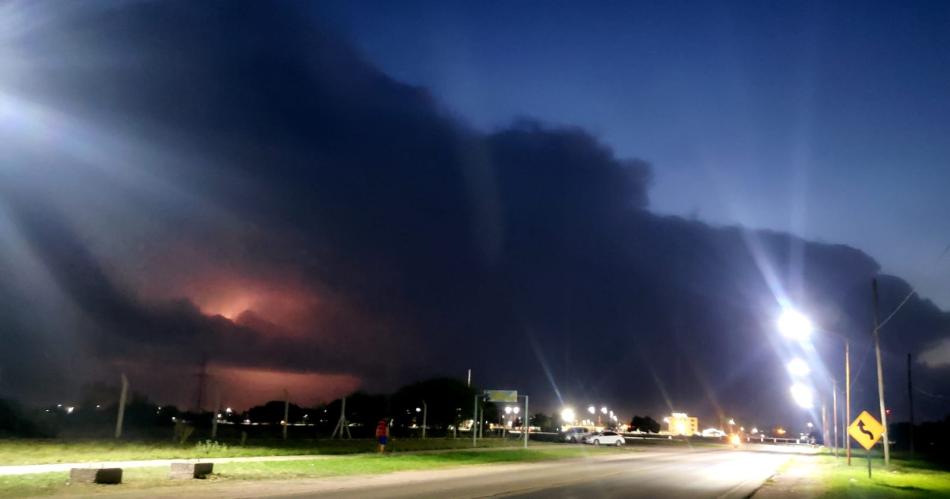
point(798, 368)
point(516, 410)
point(793, 324)
point(567, 415)
point(591, 409)
point(603, 410)
point(802, 395)
point(507, 409)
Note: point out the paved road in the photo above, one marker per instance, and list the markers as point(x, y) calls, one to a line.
point(712, 473)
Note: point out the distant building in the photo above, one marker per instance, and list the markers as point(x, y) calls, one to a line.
point(679, 423)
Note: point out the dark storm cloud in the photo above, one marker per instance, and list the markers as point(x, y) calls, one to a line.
point(515, 252)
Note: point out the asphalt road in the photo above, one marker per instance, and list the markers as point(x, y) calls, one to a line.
point(713, 473)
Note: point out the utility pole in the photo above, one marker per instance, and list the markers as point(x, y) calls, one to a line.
point(122, 397)
point(214, 416)
point(202, 378)
point(834, 412)
point(824, 422)
point(425, 412)
point(286, 412)
point(880, 374)
point(847, 396)
point(910, 402)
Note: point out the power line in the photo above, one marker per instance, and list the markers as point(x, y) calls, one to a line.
point(912, 291)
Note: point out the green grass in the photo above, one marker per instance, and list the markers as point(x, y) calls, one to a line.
point(144, 478)
point(37, 451)
point(901, 479)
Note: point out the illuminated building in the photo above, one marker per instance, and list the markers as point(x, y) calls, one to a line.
point(679, 423)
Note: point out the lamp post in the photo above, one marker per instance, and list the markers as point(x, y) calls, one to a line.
point(795, 325)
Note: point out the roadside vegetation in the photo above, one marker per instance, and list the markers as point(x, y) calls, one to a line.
point(43, 451)
point(904, 478)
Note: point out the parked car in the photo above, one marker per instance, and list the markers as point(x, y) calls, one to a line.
point(605, 438)
point(575, 435)
point(713, 433)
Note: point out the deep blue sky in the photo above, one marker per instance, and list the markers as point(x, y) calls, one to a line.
point(829, 120)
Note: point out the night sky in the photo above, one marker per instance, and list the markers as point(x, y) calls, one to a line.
point(606, 204)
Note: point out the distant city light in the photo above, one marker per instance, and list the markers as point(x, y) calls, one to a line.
point(603, 410)
point(802, 395)
point(418, 409)
point(798, 367)
point(591, 409)
point(70, 409)
point(793, 324)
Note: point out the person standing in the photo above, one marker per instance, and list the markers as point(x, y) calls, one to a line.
point(382, 435)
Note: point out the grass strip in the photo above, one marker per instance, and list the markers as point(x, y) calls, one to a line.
point(145, 478)
point(903, 479)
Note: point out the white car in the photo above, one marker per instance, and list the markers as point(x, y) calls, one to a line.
point(605, 438)
point(713, 433)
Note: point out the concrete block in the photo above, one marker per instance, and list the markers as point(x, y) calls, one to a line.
point(95, 475)
point(183, 471)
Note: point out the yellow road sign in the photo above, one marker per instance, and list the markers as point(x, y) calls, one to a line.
point(866, 430)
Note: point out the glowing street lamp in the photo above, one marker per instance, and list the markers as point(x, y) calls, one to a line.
point(798, 368)
point(793, 324)
point(507, 409)
point(591, 409)
point(516, 410)
point(567, 415)
point(802, 395)
point(603, 410)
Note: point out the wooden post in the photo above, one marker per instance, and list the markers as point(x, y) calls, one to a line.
point(122, 398)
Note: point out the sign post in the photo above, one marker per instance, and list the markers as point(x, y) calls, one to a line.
point(527, 422)
point(866, 431)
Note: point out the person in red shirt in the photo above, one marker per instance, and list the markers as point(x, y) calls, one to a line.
point(382, 435)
